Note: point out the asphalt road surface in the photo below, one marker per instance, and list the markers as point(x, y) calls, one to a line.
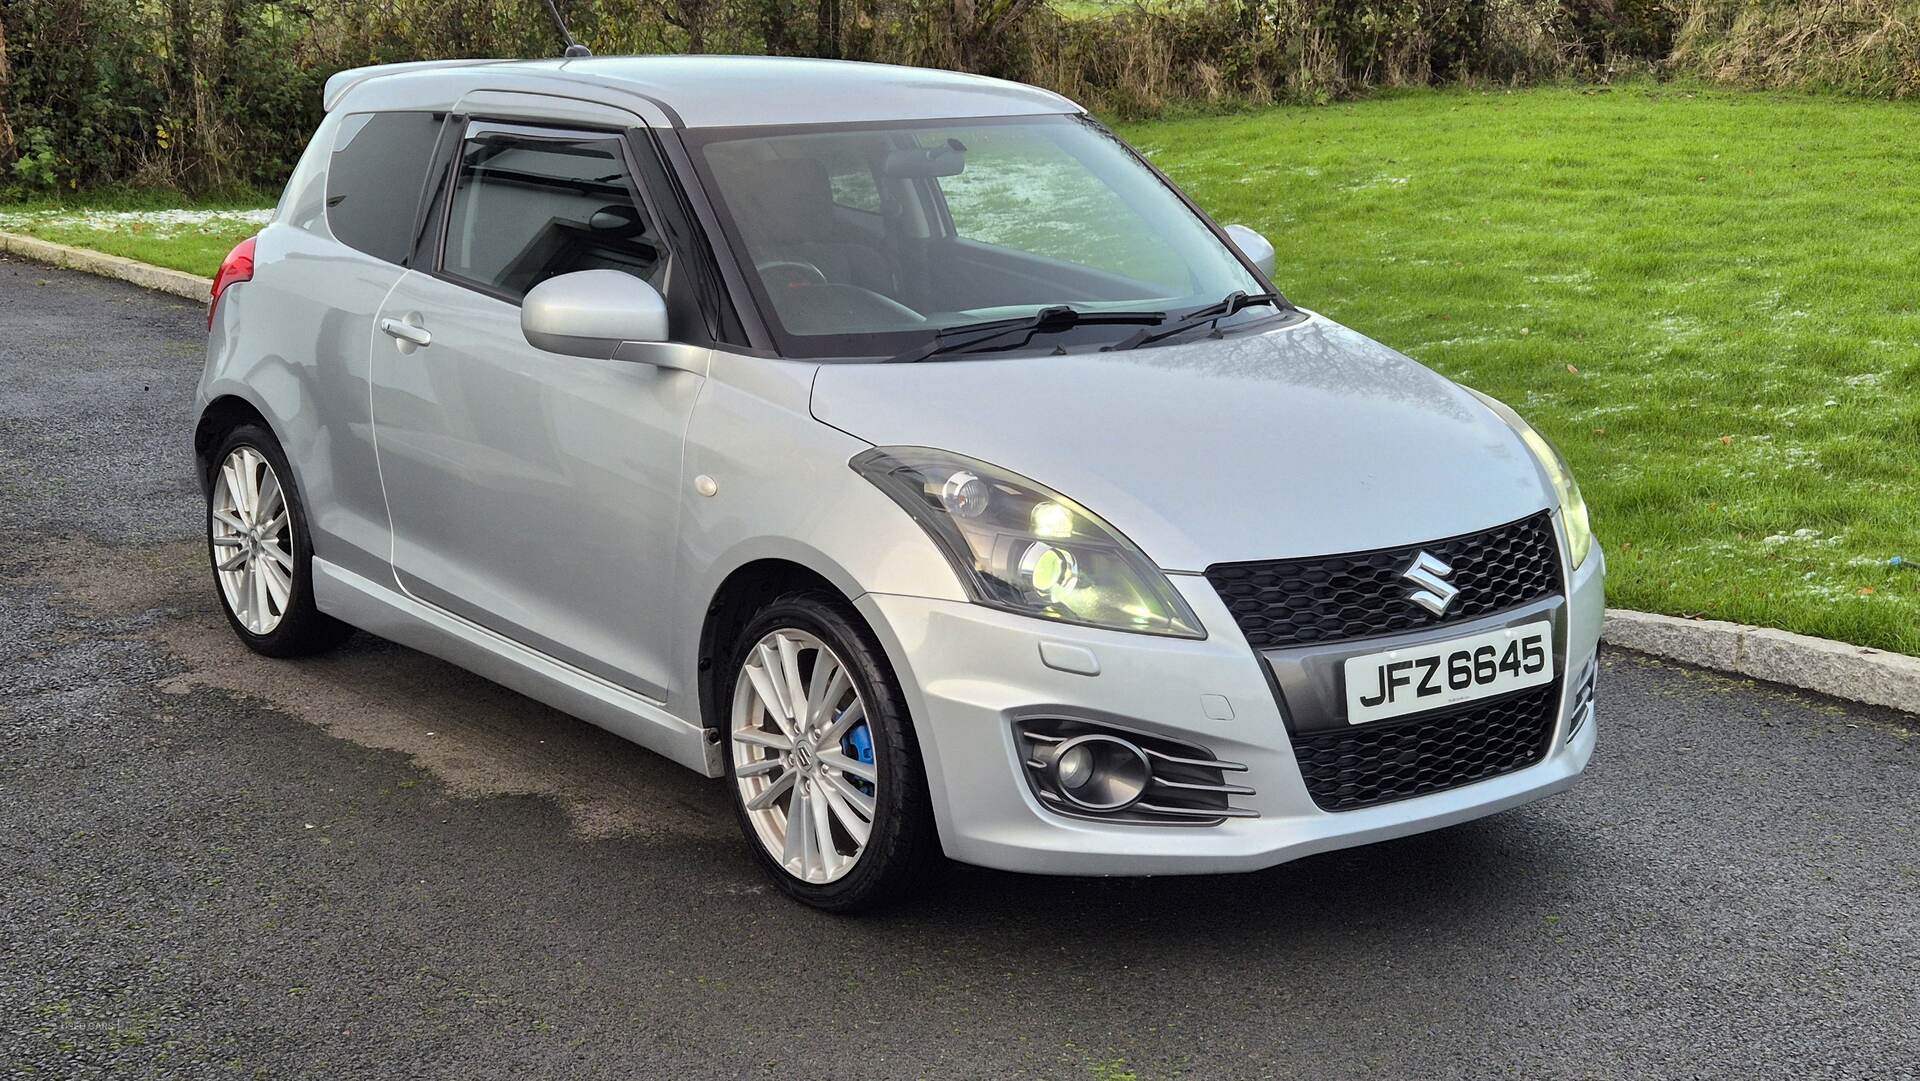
point(373, 865)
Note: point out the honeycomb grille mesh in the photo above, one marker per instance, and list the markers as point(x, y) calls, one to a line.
point(1371, 764)
point(1296, 602)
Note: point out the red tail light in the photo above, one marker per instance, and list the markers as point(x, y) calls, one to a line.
point(237, 267)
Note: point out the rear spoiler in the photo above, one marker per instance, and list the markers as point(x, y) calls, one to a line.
point(340, 82)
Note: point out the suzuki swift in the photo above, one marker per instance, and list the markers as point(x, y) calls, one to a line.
point(899, 446)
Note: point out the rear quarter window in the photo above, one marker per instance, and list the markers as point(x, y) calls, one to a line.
point(374, 180)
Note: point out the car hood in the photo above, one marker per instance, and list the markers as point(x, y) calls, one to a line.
point(1308, 439)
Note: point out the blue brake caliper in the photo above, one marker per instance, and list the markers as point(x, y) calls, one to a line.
point(858, 744)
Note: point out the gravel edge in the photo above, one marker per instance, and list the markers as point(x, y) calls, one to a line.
point(1853, 673)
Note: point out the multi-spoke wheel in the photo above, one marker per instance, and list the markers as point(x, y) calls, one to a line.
point(803, 756)
point(825, 775)
point(256, 534)
point(252, 548)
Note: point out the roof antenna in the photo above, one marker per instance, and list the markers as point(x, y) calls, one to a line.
point(574, 48)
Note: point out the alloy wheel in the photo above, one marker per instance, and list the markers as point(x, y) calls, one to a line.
point(252, 540)
point(803, 756)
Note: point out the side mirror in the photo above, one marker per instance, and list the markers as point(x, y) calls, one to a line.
point(593, 313)
point(1254, 246)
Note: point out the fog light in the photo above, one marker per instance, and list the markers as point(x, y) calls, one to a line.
point(1100, 773)
point(1074, 767)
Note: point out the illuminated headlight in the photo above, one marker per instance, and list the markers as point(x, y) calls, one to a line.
point(1049, 569)
point(1022, 547)
point(1573, 506)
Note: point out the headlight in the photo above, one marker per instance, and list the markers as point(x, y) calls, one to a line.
point(1573, 506)
point(1022, 547)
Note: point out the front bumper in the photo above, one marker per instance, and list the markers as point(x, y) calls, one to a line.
point(969, 672)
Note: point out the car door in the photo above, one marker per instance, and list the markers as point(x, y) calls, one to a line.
point(342, 239)
point(534, 494)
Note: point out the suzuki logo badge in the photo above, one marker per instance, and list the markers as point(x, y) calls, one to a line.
point(1435, 592)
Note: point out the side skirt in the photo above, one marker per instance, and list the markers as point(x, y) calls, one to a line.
point(394, 616)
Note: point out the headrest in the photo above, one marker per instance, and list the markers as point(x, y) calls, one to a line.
point(789, 199)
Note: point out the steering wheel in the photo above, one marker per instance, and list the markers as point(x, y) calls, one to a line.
point(790, 274)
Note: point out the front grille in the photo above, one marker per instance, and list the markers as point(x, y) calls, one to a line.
point(1296, 602)
point(1370, 764)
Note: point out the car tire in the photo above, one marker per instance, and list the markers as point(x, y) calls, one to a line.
point(263, 572)
point(900, 847)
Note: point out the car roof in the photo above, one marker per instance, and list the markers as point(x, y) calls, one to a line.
point(705, 91)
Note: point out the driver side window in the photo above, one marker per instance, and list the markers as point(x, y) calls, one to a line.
point(525, 209)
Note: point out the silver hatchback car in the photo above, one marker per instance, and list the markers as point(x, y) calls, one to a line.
point(897, 445)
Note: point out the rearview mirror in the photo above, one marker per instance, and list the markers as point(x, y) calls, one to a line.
point(926, 163)
point(593, 313)
point(1254, 246)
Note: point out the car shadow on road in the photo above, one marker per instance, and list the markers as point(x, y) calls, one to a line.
point(479, 740)
point(1438, 878)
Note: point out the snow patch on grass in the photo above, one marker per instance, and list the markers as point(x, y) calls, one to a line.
point(1801, 537)
point(1379, 180)
point(154, 223)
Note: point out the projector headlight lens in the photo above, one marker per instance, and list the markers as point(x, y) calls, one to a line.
point(1047, 569)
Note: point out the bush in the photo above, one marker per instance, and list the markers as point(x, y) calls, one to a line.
point(212, 94)
point(1139, 59)
point(84, 92)
point(35, 163)
point(1867, 47)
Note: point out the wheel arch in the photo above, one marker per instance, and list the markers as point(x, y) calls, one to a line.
point(222, 415)
point(743, 592)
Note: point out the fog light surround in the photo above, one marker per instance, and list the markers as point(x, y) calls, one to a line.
point(1104, 771)
point(1100, 772)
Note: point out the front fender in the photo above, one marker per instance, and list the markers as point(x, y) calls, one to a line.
point(782, 489)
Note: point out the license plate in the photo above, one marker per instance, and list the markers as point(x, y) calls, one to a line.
point(1442, 674)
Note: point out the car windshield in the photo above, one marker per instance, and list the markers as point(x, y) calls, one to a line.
point(867, 240)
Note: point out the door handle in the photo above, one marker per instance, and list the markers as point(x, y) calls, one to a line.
point(406, 332)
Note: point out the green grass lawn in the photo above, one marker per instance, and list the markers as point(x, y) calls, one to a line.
point(193, 238)
point(1711, 301)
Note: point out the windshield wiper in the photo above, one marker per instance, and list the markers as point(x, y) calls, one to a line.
point(1232, 304)
point(967, 336)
